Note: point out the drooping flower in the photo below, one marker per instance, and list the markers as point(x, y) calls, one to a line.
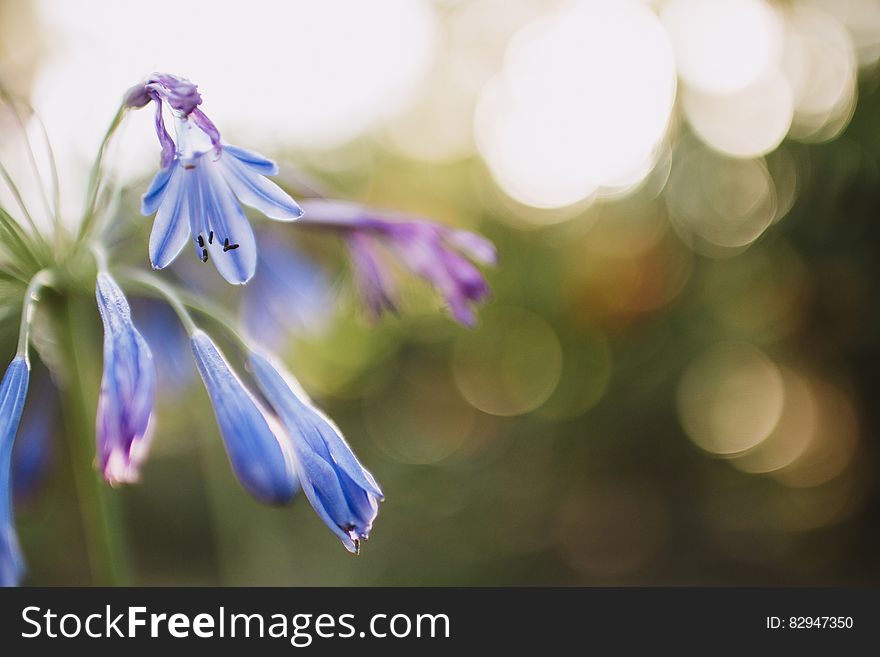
point(291, 294)
point(343, 493)
point(125, 405)
point(13, 391)
point(201, 184)
point(440, 255)
point(259, 460)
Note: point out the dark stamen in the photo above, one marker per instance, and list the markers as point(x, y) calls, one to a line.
point(201, 241)
point(211, 237)
point(229, 247)
point(204, 255)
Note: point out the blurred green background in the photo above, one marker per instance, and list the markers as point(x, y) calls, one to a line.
point(675, 382)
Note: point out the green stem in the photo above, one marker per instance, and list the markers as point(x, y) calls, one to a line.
point(105, 549)
point(31, 296)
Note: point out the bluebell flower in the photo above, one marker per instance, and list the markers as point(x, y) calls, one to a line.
point(290, 295)
point(13, 391)
point(343, 493)
point(258, 458)
point(125, 405)
point(440, 255)
point(198, 190)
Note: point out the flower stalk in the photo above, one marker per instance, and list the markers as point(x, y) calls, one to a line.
point(98, 511)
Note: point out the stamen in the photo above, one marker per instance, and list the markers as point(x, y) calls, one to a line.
point(229, 247)
point(211, 237)
point(201, 241)
point(204, 255)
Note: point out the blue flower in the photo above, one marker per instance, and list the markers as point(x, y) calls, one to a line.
point(13, 391)
point(199, 196)
point(128, 384)
point(261, 463)
point(201, 184)
point(291, 294)
point(34, 449)
point(340, 489)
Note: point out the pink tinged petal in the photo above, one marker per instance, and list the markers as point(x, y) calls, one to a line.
point(171, 225)
point(254, 190)
point(127, 388)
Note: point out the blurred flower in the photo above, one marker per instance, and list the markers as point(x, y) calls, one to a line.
point(342, 492)
point(194, 194)
point(440, 255)
point(160, 326)
point(125, 405)
point(258, 459)
point(33, 450)
point(13, 391)
point(290, 294)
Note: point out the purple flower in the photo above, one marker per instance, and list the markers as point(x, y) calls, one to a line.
point(343, 493)
point(125, 405)
point(440, 255)
point(291, 294)
point(182, 96)
point(261, 463)
point(13, 391)
point(198, 189)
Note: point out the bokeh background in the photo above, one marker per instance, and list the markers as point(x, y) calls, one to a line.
point(676, 380)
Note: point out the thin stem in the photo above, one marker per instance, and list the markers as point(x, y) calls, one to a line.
point(155, 284)
point(30, 152)
point(98, 511)
point(31, 296)
point(56, 185)
point(96, 174)
point(16, 194)
point(100, 254)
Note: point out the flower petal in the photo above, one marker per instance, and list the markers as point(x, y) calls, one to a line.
point(254, 190)
point(171, 225)
point(476, 247)
point(340, 489)
point(259, 163)
point(13, 391)
point(152, 198)
point(233, 247)
point(260, 463)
